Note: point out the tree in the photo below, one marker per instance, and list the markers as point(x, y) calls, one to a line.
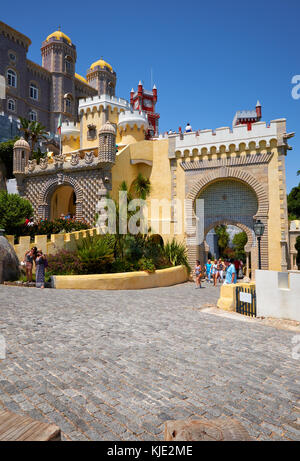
point(239, 241)
point(33, 131)
point(223, 238)
point(293, 202)
point(6, 156)
point(13, 211)
point(38, 133)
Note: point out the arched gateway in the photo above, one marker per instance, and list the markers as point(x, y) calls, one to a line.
point(231, 197)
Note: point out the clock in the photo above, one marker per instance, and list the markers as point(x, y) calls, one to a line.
point(147, 103)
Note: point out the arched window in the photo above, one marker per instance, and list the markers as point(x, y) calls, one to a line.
point(33, 91)
point(12, 78)
point(68, 105)
point(69, 64)
point(11, 105)
point(33, 116)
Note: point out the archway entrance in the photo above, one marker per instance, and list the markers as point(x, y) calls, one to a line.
point(63, 202)
point(229, 202)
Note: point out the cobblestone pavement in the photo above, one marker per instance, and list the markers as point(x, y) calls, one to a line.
point(109, 365)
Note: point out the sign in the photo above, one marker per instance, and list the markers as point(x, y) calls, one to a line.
point(245, 297)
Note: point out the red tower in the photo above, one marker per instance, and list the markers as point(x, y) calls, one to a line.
point(145, 100)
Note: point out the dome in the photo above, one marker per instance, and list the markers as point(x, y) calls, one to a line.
point(101, 63)
point(107, 128)
point(21, 143)
point(58, 34)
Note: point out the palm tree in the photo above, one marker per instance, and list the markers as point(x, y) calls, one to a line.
point(33, 131)
point(25, 127)
point(142, 186)
point(38, 133)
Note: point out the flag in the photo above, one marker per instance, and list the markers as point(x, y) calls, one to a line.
point(59, 125)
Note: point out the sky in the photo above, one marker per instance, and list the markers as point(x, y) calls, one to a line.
point(207, 59)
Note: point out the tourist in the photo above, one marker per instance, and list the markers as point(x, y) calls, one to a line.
point(41, 263)
point(28, 261)
point(198, 274)
point(188, 128)
point(208, 267)
point(221, 267)
point(230, 274)
point(215, 273)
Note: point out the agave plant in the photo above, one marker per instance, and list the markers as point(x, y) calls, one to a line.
point(176, 253)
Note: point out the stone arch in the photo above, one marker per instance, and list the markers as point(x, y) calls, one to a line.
point(199, 185)
point(48, 189)
point(230, 222)
point(233, 173)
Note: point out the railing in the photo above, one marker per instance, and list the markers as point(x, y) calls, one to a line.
point(246, 301)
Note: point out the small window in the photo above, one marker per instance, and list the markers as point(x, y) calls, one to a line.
point(12, 57)
point(33, 91)
point(33, 116)
point(11, 105)
point(68, 105)
point(12, 78)
point(69, 65)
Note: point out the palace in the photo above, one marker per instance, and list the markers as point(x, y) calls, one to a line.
point(239, 171)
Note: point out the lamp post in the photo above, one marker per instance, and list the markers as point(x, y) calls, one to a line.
point(259, 229)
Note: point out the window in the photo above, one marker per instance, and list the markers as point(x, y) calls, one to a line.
point(12, 57)
point(68, 105)
point(12, 78)
point(33, 116)
point(69, 65)
point(11, 104)
point(33, 91)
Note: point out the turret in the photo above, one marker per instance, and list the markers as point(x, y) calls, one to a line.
point(154, 91)
point(21, 156)
point(145, 101)
point(102, 77)
point(258, 110)
point(107, 144)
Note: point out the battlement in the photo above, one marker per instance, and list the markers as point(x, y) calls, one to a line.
point(103, 101)
point(225, 137)
point(131, 118)
point(70, 129)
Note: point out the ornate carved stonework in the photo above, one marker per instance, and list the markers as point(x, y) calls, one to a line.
point(75, 159)
point(89, 157)
point(31, 165)
point(44, 163)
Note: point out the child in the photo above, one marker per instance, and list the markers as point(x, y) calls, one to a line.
point(198, 274)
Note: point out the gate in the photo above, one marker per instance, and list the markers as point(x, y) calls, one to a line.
point(246, 301)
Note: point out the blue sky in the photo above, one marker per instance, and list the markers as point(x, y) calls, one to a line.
point(209, 59)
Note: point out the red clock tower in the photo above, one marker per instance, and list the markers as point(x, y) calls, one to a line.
point(145, 101)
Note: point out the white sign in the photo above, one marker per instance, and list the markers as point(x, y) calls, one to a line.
point(245, 297)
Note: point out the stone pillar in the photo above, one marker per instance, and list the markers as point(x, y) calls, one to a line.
point(247, 264)
point(283, 244)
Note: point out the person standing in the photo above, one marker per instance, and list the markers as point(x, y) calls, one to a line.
point(198, 274)
point(28, 260)
point(215, 273)
point(208, 270)
point(221, 270)
point(41, 263)
point(230, 274)
point(188, 128)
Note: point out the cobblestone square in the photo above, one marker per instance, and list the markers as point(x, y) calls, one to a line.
point(114, 365)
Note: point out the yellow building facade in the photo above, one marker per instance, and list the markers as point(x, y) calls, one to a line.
point(230, 176)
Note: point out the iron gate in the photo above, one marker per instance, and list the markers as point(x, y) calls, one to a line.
point(246, 301)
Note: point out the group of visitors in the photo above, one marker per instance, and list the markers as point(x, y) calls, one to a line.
point(225, 271)
point(35, 256)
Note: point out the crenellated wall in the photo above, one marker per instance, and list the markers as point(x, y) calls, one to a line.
point(57, 242)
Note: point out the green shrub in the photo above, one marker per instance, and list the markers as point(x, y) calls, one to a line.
point(13, 212)
point(47, 227)
point(177, 254)
point(146, 265)
point(96, 253)
point(120, 265)
point(65, 263)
